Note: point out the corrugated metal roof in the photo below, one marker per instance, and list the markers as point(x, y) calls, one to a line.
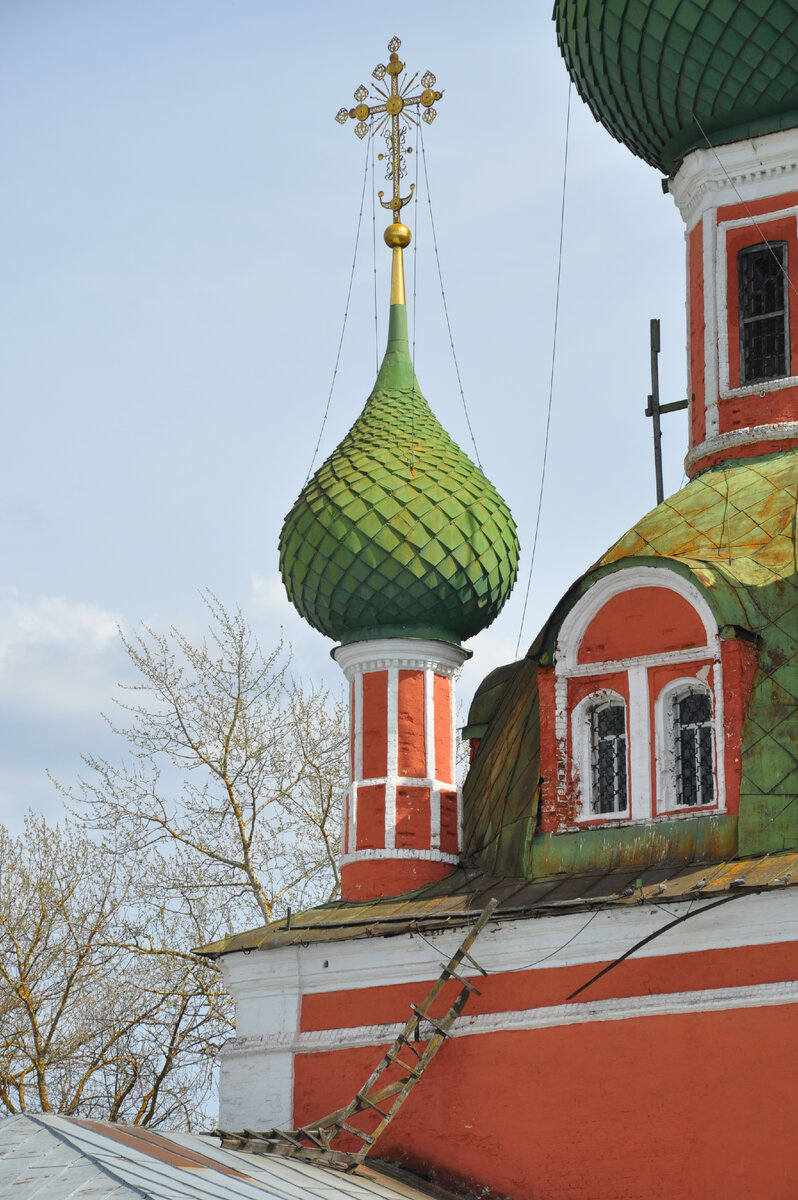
point(48, 1157)
point(452, 902)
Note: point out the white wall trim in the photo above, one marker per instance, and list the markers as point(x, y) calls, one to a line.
point(256, 1080)
point(357, 686)
point(661, 1004)
point(638, 709)
point(721, 323)
point(407, 654)
point(626, 579)
point(392, 753)
point(749, 169)
point(667, 658)
point(582, 752)
point(391, 852)
point(665, 750)
point(542, 942)
point(711, 365)
point(747, 436)
point(639, 743)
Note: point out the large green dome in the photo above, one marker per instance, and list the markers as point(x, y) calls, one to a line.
point(655, 72)
point(398, 534)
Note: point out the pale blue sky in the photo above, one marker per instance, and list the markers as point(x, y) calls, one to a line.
point(179, 210)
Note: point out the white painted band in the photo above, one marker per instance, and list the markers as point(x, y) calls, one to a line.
point(665, 657)
point(407, 654)
point(777, 431)
point(576, 621)
point(395, 852)
point(664, 1004)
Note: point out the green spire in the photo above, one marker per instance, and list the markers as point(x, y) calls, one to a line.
point(656, 73)
point(398, 534)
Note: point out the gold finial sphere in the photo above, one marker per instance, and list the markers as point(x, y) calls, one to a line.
point(397, 234)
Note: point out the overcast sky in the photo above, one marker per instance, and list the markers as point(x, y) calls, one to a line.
point(179, 212)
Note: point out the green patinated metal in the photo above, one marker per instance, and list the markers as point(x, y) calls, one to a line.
point(732, 531)
point(398, 534)
point(698, 839)
point(655, 72)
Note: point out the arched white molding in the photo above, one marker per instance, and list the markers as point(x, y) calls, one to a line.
point(627, 579)
point(636, 669)
point(665, 751)
point(582, 752)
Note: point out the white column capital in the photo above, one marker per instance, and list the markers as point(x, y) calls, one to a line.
point(407, 654)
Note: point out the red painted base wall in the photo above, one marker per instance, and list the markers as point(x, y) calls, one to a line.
point(700, 1106)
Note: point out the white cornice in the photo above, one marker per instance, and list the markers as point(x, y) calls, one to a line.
point(394, 853)
point(407, 654)
point(747, 170)
point(776, 432)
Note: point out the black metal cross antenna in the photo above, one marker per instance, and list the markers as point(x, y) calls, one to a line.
point(655, 409)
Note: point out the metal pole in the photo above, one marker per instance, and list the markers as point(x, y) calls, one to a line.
point(653, 404)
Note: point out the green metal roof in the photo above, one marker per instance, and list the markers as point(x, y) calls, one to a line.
point(732, 530)
point(398, 533)
point(655, 72)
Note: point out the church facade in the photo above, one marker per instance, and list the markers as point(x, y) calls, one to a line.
point(632, 798)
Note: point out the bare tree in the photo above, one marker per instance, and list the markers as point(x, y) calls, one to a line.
point(95, 1021)
point(235, 772)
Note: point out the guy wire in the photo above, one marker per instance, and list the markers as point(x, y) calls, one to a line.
point(551, 376)
point(374, 258)
point(445, 305)
point(346, 315)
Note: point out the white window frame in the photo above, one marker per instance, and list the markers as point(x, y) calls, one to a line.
point(639, 731)
point(717, 316)
point(582, 752)
point(666, 748)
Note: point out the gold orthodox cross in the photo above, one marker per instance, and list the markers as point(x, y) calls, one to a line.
point(395, 105)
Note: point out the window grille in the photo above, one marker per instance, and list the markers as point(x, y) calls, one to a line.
point(695, 777)
point(764, 312)
point(608, 757)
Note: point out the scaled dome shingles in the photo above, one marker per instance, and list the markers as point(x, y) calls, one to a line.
point(657, 72)
point(398, 532)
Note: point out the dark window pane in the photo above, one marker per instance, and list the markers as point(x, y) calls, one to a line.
point(764, 315)
point(608, 735)
point(694, 762)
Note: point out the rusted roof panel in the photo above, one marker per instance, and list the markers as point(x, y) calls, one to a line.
point(517, 898)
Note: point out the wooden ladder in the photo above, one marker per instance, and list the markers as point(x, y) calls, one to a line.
point(315, 1142)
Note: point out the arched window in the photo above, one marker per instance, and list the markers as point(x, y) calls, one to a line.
point(686, 752)
point(636, 644)
point(692, 741)
point(609, 791)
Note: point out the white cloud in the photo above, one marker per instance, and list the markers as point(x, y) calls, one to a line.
point(57, 656)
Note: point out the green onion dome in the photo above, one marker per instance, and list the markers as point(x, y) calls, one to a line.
point(398, 534)
point(656, 73)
